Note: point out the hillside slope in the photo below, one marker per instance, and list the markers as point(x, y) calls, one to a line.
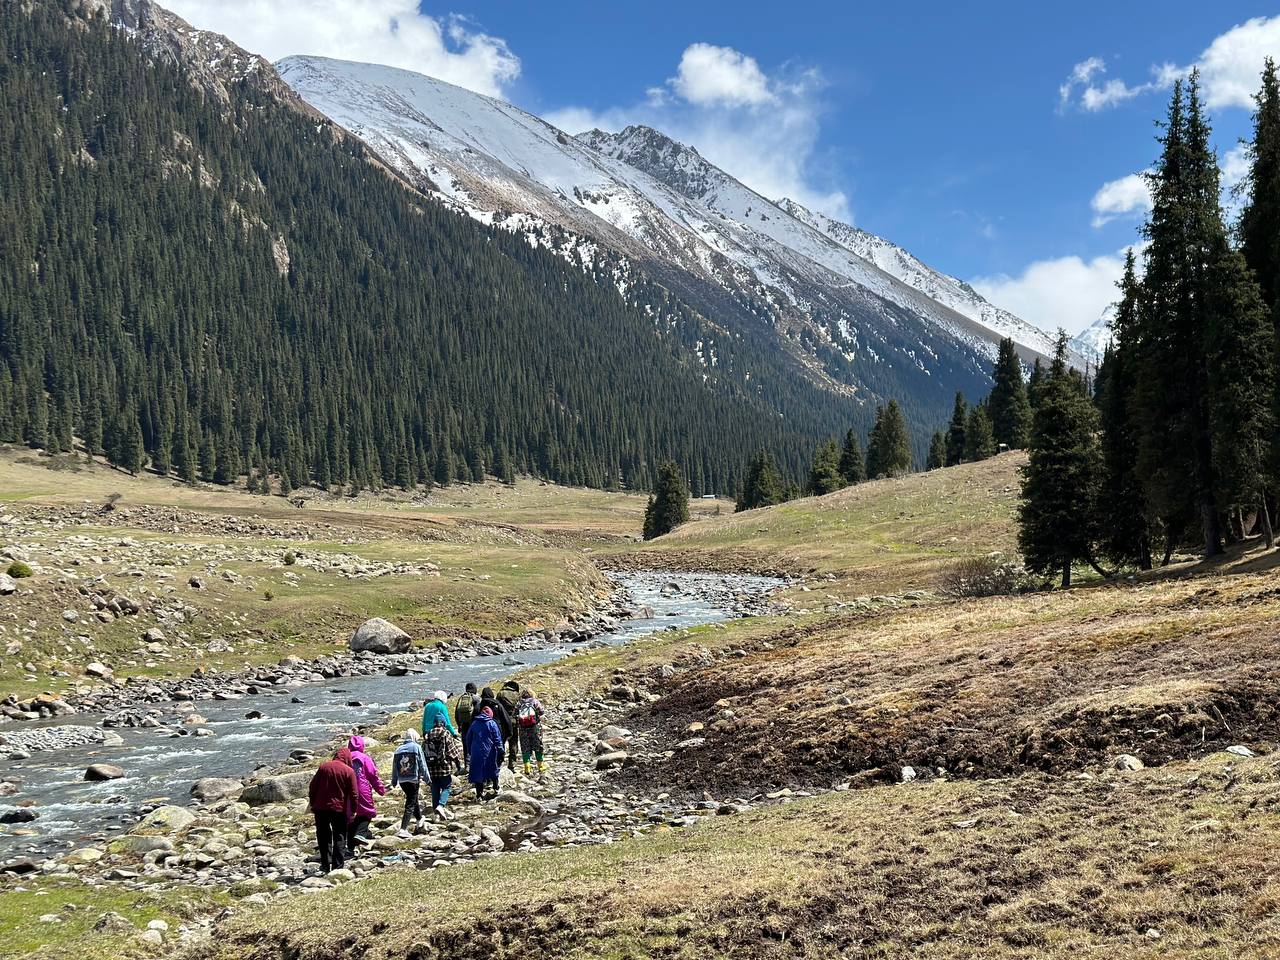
point(248, 295)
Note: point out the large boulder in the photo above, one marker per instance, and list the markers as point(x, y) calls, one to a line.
point(167, 819)
point(211, 789)
point(281, 789)
point(103, 771)
point(380, 636)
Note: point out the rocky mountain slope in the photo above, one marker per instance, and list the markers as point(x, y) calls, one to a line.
point(735, 255)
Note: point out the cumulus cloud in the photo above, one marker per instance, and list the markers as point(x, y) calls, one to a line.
point(1067, 292)
point(763, 128)
point(1121, 198)
point(1229, 69)
point(711, 75)
point(392, 32)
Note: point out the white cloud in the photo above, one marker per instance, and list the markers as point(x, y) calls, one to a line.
point(1067, 292)
point(1229, 71)
point(711, 75)
point(1093, 92)
point(1120, 198)
point(762, 128)
point(392, 32)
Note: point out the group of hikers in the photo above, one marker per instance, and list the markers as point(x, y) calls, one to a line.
point(483, 728)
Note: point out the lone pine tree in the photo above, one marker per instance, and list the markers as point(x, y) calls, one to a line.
point(1057, 518)
point(668, 507)
point(763, 485)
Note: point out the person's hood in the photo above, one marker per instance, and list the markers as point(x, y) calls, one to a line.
point(409, 746)
point(442, 696)
point(511, 685)
point(486, 712)
point(343, 756)
point(356, 744)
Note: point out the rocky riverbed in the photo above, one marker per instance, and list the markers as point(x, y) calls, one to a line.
point(255, 720)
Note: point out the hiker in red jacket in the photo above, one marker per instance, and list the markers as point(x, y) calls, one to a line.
point(333, 803)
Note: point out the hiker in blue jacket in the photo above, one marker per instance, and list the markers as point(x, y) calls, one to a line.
point(408, 770)
point(485, 747)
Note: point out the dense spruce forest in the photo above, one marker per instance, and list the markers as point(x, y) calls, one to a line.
point(227, 290)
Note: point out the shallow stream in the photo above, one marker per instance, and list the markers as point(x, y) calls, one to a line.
point(160, 768)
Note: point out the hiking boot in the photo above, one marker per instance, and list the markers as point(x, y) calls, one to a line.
point(528, 769)
point(542, 769)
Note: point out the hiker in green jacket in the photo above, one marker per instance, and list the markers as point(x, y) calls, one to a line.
point(468, 706)
point(437, 706)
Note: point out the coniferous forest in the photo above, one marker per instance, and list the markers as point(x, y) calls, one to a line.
point(220, 291)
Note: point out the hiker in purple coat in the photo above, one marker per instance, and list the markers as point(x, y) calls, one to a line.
point(367, 783)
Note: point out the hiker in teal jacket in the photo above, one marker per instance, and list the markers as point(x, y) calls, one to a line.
point(438, 706)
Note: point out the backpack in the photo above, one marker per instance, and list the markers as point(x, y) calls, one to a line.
point(466, 710)
point(407, 765)
point(528, 714)
point(433, 750)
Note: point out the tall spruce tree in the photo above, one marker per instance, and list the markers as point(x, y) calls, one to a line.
point(824, 472)
point(889, 445)
point(937, 452)
point(1259, 226)
point(853, 464)
point(955, 431)
point(1122, 509)
point(1008, 406)
point(1057, 518)
point(1203, 393)
point(979, 442)
point(763, 485)
point(669, 505)
point(1259, 231)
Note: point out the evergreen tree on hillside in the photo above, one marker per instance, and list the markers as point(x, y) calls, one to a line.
point(853, 465)
point(763, 485)
point(979, 444)
point(669, 505)
point(1240, 345)
point(889, 446)
point(824, 472)
point(1008, 406)
point(1122, 510)
point(1259, 231)
point(1199, 389)
point(1057, 523)
point(955, 432)
point(1259, 226)
point(937, 452)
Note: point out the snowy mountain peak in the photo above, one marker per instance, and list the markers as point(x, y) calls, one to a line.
point(943, 288)
point(854, 311)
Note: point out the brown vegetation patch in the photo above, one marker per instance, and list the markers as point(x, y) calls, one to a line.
point(985, 688)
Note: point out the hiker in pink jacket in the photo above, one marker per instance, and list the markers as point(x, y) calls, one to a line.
point(367, 783)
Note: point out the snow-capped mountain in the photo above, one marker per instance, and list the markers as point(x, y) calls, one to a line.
point(945, 289)
point(734, 255)
point(1092, 342)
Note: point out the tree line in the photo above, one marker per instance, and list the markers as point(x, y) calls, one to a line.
point(1176, 443)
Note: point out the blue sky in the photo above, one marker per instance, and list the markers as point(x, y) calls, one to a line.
point(997, 142)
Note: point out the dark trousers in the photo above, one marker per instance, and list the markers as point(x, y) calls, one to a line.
point(331, 836)
point(411, 807)
point(462, 732)
point(359, 828)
